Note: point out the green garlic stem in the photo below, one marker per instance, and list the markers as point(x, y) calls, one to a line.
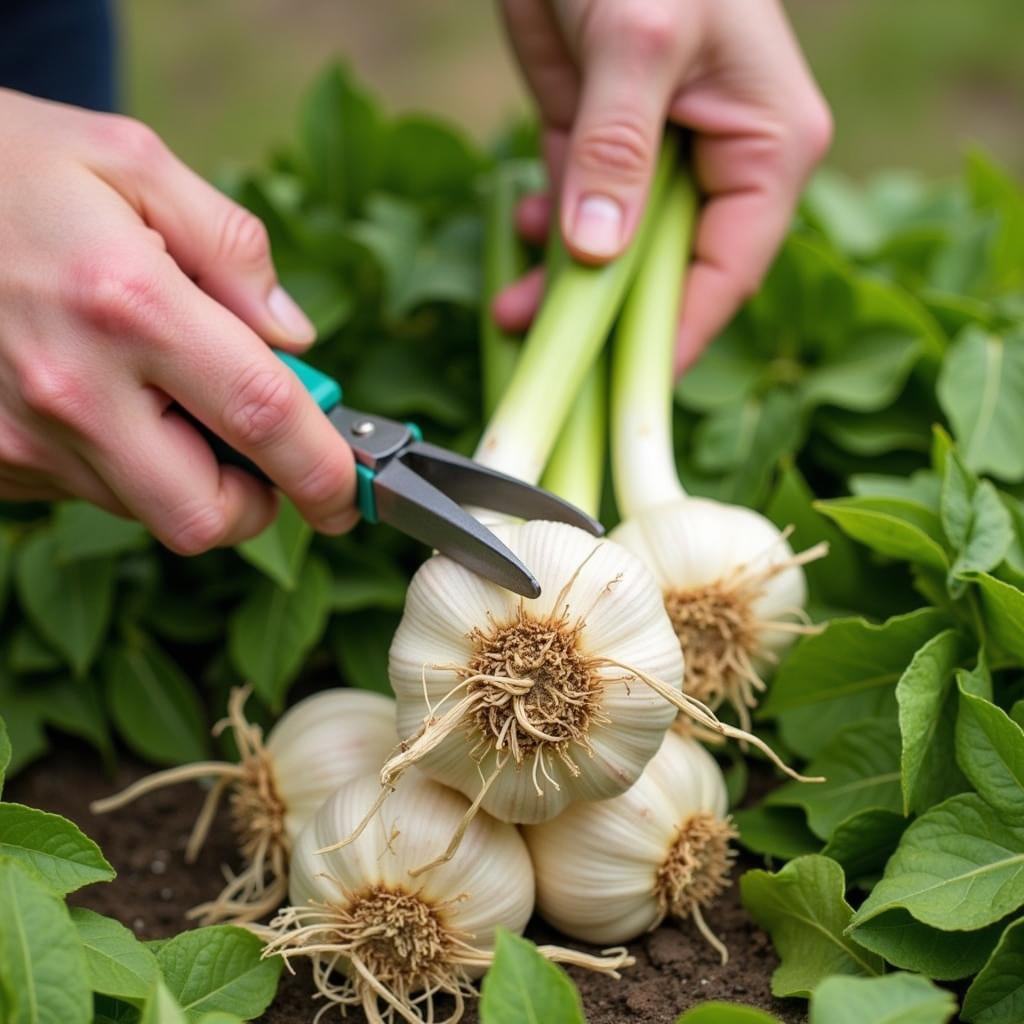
point(643, 463)
point(570, 329)
point(576, 469)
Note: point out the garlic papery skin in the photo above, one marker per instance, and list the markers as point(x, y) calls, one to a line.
point(733, 589)
point(387, 942)
point(610, 871)
point(524, 704)
point(317, 745)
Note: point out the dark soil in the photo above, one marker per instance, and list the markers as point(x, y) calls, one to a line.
point(675, 969)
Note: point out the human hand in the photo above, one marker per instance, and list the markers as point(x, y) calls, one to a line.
point(607, 74)
point(127, 283)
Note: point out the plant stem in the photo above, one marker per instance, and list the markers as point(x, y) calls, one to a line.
point(578, 311)
point(643, 462)
point(504, 260)
point(576, 469)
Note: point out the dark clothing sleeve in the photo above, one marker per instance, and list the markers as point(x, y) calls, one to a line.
point(59, 50)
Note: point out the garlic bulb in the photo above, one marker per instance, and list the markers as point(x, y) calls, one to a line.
point(610, 871)
point(316, 746)
point(733, 589)
point(379, 940)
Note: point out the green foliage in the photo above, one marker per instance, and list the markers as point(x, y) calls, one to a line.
point(894, 999)
point(117, 964)
point(725, 1013)
point(996, 995)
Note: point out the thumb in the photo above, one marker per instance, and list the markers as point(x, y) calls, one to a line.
point(627, 78)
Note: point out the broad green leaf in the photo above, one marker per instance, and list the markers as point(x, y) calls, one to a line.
point(912, 946)
point(6, 563)
point(726, 439)
point(5, 752)
point(843, 213)
point(42, 967)
point(113, 1011)
point(894, 999)
point(927, 703)
point(893, 429)
point(996, 995)
point(161, 1007)
point(69, 604)
point(978, 681)
point(922, 487)
point(1002, 608)
point(428, 160)
point(56, 849)
point(775, 832)
point(981, 389)
point(957, 867)
point(219, 969)
point(850, 656)
point(357, 590)
point(725, 374)
point(280, 549)
point(24, 723)
point(990, 752)
point(866, 376)
point(810, 729)
point(29, 653)
point(84, 531)
point(154, 704)
point(803, 908)
point(273, 630)
point(522, 987)
point(863, 842)
point(361, 642)
point(117, 963)
point(726, 1013)
point(861, 770)
point(897, 529)
point(75, 706)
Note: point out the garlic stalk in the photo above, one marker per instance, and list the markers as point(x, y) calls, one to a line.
point(379, 940)
point(610, 871)
point(733, 587)
point(318, 745)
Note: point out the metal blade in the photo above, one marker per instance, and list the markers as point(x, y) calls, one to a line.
point(469, 483)
point(413, 505)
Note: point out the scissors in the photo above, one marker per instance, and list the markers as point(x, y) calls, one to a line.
point(419, 488)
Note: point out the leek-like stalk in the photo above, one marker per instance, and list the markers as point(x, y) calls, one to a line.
point(504, 261)
point(571, 327)
point(643, 463)
point(576, 469)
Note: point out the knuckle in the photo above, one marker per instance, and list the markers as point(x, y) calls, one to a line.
point(649, 29)
point(115, 292)
point(327, 482)
point(135, 144)
point(243, 236)
point(54, 392)
point(621, 148)
point(814, 130)
point(197, 529)
point(262, 407)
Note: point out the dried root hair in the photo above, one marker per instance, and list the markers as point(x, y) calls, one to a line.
point(257, 815)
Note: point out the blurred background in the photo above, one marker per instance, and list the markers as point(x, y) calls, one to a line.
point(911, 82)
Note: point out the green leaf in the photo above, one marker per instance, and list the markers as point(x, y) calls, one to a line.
point(725, 374)
point(996, 995)
point(863, 842)
point(725, 1013)
point(55, 848)
point(356, 588)
point(775, 832)
point(810, 729)
point(428, 160)
point(861, 770)
point(6, 564)
point(850, 656)
point(894, 999)
point(117, 963)
point(219, 969)
point(990, 752)
point(913, 946)
point(864, 377)
point(29, 653)
point(922, 487)
point(42, 966)
point(1002, 608)
point(5, 752)
point(729, 437)
point(113, 1011)
point(897, 428)
point(161, 1007)
point(522, 987)
point(84, 531)
point(803, 908)
point(981, 390)
point(897, 529)
point(273, 630)
point(154, 705)
point(957, 867)
point(361, 642)
point(927, 704)
point(280, 549)
point(69, 604)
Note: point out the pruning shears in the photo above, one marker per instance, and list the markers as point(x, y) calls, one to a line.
point(419, 488)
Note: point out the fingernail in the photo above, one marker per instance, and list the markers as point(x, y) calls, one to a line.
point(292, 320)
point(598, 226)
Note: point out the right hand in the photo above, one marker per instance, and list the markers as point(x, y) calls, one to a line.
point(127, 284)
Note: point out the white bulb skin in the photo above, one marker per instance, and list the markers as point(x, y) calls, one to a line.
point(625, 620)
point(488, 882)
point(692, 542)
point(325, 741)
point(597, 863)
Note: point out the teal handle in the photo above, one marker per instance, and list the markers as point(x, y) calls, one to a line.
point(325, 391)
